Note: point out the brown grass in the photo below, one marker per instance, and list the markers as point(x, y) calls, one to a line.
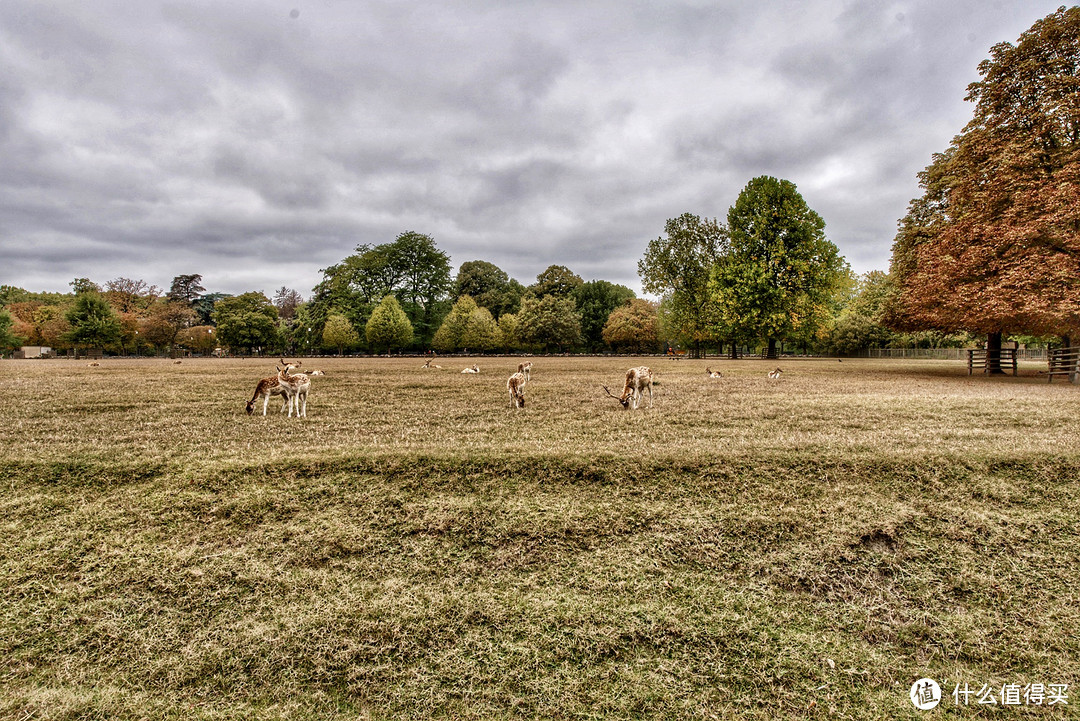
point(415, 548)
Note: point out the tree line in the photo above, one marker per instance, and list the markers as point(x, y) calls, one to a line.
point(991, 250)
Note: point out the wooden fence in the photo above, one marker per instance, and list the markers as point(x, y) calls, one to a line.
point(1063, 362)
point(979, 359)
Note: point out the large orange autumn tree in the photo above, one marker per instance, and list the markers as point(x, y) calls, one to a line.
point(993, 245)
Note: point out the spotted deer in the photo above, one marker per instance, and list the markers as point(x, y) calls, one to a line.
point(713, 374)
point(525, 369)
point(774, 374)
point(638, 380)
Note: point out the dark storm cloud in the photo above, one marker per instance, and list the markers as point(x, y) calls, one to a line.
point(255, 143)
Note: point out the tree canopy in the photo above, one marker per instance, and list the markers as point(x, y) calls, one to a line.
point(389, 327)
point(677, 268)
point(248, 320)
point(93, 321)
point(781, 272)
point(993, 244)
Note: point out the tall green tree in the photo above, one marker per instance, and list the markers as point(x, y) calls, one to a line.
point(595, 301)
point(557, 280)
point(8, 338)
point(411, 267)
point(551, 321)
point(389, 327)
point(490, 286)
point(993, 245)
point(93, 322)
point(338, 333)
point(781, 272)
point(676, 266)
point(246, 321)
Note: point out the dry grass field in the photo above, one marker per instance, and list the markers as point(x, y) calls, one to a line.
point(747, 548)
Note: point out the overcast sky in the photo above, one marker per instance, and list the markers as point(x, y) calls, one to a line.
point(256, 142)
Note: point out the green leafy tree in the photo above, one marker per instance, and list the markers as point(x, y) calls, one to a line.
point(388, 326)
point(93, 322)
point(198, 339)
point(549, 321)
point(411, 267)
point(8, 338)
point(677, 266)
point(557, 280)
point(490, 286)
point(993, 245)
point(246, 321)
point(451, 334)
point(509, 338)
point(634, 326)
point(781, 273)
point(204, 307)
point(82, 286)
point(338, 333)
point(595, 301)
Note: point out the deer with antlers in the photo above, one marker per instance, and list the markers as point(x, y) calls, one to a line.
point(638, 380)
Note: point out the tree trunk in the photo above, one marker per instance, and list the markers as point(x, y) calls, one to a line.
point(771, 352)
point(734, 350)
point(1066, 341)
point(993, 354)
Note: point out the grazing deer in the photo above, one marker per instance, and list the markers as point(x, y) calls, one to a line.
point(515, 384)
point(474, 369)
point(525, 369)
point(712, 374)
point(638, 380)
point(775, 374)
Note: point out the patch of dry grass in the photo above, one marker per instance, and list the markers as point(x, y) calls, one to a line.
point(414, 548)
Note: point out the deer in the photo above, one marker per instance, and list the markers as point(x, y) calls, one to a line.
point(638, 380)
point(295, 387)
point(525, 369)
point(775, 373)
point(474, 369)
point(712, 374)
point(271, 386)
point(433, 366)
point(515, 384)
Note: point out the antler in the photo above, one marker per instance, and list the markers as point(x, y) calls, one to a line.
point(611, 394)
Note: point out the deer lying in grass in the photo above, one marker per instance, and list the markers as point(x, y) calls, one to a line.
point(515, 384)
point(474, 369)
point(713, 374)
point(775, 374)
point(638, 380)
point(433, 366)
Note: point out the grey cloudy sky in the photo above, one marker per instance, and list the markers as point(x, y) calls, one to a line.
point(256, 142)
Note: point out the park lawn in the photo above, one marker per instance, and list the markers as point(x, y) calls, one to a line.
point(746, 548)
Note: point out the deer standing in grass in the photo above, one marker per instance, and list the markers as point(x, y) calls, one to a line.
point(638, 380)
point(525, 369)
point(515, 384)
point(272, 386)
point(296, 388)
